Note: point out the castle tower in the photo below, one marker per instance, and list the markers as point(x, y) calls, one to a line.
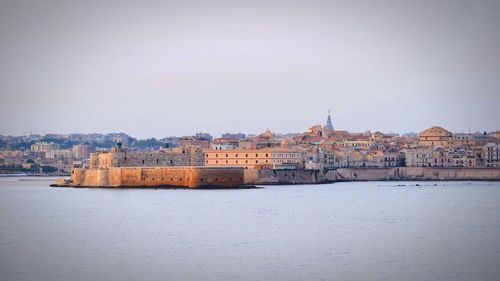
point(329, 125)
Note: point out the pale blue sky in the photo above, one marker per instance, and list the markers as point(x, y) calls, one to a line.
point(161, 68)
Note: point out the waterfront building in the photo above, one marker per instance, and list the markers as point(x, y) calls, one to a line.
point(441, 158)
point(392, 158)
point(276, 158)
point(492, 155)
point(319, 158)
point(418, 156)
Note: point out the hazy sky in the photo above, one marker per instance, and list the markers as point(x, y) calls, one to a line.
point(162, 68)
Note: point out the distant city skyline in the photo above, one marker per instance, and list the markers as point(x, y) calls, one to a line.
point(175, 68)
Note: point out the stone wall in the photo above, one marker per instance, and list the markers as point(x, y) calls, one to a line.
point(192, 177)
point(287, 176)
point(417, 173)
point(162, 158)
point(300, 176)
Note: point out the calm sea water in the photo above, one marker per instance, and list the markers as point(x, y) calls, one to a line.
point(343, 231)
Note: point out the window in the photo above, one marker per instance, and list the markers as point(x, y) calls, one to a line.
point(236, 154)
point(267, 155)
point(226, 155)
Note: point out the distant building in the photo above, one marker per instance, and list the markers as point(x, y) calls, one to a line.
point(80, 151)
point(329, 124)
point(225, 144)
point(492, 155)
point(419, 156)
point(275, 158)
point(436, 136)
point(59, 154)
point(237, 136)
point(203, 136)
point(460, 140)
point(193, 141)
point(44, 147)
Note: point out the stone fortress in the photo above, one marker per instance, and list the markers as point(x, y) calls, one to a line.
point(181, 167)
point(119, 157)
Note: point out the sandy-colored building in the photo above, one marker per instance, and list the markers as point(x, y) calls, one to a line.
point(276, 158)
point(44, 147)
point(419, 156)
point(436, 136)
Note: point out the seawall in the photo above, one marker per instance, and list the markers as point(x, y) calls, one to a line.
point(300, 176)
point(417, 173)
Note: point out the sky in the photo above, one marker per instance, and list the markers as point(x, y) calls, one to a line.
point(163, 68)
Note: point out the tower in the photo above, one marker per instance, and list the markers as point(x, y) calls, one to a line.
point(329, 125)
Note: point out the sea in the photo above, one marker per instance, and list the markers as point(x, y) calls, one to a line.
point(341, 231)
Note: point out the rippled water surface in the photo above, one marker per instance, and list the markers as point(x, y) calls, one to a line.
point(343, 231)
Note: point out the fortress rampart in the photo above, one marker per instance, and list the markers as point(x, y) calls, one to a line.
point(190, 177)
point(165, 168)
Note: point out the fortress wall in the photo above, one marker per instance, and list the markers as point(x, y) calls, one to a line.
point(219, 177)
point(251, 176)
point(115, 177)
point(154, 177)
point(78, 175)
point(159, 176)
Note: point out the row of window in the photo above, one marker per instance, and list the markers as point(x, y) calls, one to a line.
point(227, 162)
point(246, 155)
point(257, 155)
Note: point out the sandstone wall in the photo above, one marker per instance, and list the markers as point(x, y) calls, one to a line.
point(159, 176)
